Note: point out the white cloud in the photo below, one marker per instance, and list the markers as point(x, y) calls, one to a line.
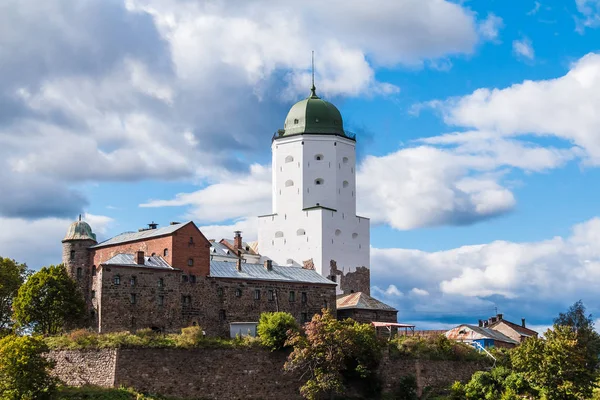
point(419, 292)
point(536, 8)
point(391, 291)
point(490, 27)
point(524, 48)
point(564, 107)
point(590, 11)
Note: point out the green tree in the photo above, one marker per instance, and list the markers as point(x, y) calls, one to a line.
point(49, 301)
point(555, 366)
point(332, 353)
point(24, 371)
point(273, 328)
point(587, 337)
point(12, 276)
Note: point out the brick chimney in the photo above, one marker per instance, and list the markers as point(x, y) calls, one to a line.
point(139, 258)
point(269, 265)
point(238, 264)
point(499, 317)
point(523, 322)
point(237, 240)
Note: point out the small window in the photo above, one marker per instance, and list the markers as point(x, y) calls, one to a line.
point(184, 278)
point(165, 252)
point(300, 232)
point(289, 183)
point(296, 121)
point(161, 282)
point(93, 270)
point(289, 261)
point(193, 278)
point(72, 255)
point(270, 295)
point(132, 281)
point(133, 298)
point(238, 292)
point(345, 160)
point(304, 297)
point(289, 159)
point(220, 292)
point(345, 184)
point(278, 234)
point(222, 315)
point(93, 294)
point(354, 235)
point(324, 303)
point(117, 280)
point(319, 157)
point(338, 232)
point(304, 317)
point(292, 296)
point(257, 294)
point(79, 272)
point(161, 300)
point(191, 240)
point(190, 262)
point(319, 181)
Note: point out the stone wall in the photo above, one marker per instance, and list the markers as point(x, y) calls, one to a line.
point(228, 373)
point(85, 367)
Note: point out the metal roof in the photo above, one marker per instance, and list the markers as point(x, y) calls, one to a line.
point(224, 269)
point(80, 230)
point(477, 332)
point(219, 249)
point(128, 260)
point(145, 234)
point(518, 328)
point(245, 245)
point(363, 301)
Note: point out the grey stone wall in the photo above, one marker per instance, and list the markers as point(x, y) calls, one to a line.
point(85, 367)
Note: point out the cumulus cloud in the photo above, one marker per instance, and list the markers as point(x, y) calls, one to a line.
point(490, 27)
point(522, 278)
point(590, 14)
point(524, 49)
point(563, 107)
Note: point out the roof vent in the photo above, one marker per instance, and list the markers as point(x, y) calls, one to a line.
point(152, 225)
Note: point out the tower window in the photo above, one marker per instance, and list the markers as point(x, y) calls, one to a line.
point(319, 157)
point(289, 183)
point(72, 255)
point(289, 159)
point(296, 121)
point(345, 184)
point(354, 235)
point(79, 272)
point(345, 160)
point(165, 252)
point(300, 232)
point(319, 181)
point(338, 232)
point(278, 234)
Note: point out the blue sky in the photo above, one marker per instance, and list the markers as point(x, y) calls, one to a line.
point(476, 124)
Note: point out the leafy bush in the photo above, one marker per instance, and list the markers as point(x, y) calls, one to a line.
point(433, 348)
point(24, 372)
point(273, 329)
point(97, 393)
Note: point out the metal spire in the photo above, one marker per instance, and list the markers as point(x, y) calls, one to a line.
point(313, 89)
point(79, 217)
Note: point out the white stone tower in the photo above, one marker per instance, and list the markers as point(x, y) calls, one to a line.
point(314, 222)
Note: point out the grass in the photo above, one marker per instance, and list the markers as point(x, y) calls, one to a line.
point(97, 393)
point(433, 348)
point(190, 337)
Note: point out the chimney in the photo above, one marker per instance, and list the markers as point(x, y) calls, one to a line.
point(238, 265)
point(269, 265)
point(237, 240)
point(481, 323)
point(139, 258)
point(492, 320)
point(523, 322)
point(174, 223)
point(499, 317)
point(152, 225)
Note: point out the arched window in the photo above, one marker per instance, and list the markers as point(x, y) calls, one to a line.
point(338, 232)
point(319, 181)
point(79, 272)
point(289, 183)
point(165, 252)
point(300, 232)
point(345, 160)
point(345, 184)
point(278, 234)
point(319, 157)
point(289, 159)
point(354, 235)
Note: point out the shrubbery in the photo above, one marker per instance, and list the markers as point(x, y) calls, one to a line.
point(433, 348)
point(274, 327)
point(24, 372)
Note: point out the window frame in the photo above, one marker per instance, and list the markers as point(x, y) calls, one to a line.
point(256, 294)
point(292, 296)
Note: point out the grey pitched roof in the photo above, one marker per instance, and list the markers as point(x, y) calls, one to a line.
point(128, 260)
point(219, 249)
point(491, 334)
point(363, 301)
point(224, 269)
point(146, 234)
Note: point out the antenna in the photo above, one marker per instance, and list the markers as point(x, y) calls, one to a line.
point(313, 92)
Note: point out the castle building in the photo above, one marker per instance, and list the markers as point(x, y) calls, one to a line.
point(312, 252)
point(313, 221)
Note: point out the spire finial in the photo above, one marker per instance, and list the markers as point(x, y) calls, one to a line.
point(313, 89)
point(79, 217)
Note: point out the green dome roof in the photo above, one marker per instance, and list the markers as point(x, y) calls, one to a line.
point(313, 115)
point(80, 230)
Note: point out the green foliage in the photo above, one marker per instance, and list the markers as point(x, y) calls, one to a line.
point(12, 276)
point(49, 301)
point(332, 353)
point(97, 393)
point(190, 337)
point(274, 327)
point(406, 389)
point(433, 348)
point(24, 372)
